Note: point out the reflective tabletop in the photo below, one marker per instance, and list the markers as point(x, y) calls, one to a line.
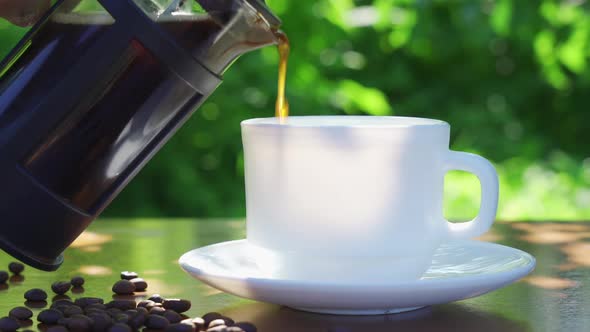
point(555, 297)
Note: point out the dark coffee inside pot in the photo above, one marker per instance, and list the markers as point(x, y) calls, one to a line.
point(97, 142)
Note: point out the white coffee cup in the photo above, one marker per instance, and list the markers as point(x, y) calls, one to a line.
point(321, 189)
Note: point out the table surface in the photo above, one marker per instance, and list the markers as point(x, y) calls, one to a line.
point(555, 297)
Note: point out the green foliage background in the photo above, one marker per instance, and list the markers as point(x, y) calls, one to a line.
point(511, 77)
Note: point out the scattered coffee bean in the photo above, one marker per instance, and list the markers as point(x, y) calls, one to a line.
point(3, 277)
point(128, 275)
point(95, 307)
point(62, 302)
point(35, 295)
point(157, 311)
point(79, 323)
point(142, 311)
point(148, 304)
point(63, 321)
point(21, 313)
point(120, 327)
point(122, 304)
point(72, 311)
point(137, 320)
point(123, 287)
point(156, 298)
point(216, 322)
point(86, 301)
point(199, 322)
point(77, 281)
point(233, 329)
point(121, 318)
point(61, 287)
point(156, 322)
point(113, 311)
point(57, 328)
point(77, 289)
point(8, 324)
point(211, 316)
point(181, 327)
point(16, 268)
point(247, 327)
point(172, 316)
point(100, 321)
point(50, 316)
point(177, 305)
point(36, 304)
point(228, 321)
point(218, 328)
point(140, 284)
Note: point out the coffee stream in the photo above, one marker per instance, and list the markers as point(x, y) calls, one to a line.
point(282, 105)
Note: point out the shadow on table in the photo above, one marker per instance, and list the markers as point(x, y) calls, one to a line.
point(451, 317)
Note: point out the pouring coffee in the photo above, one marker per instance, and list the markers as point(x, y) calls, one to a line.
point(92, 92)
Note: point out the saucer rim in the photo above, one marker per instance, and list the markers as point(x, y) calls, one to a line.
point(512, 274)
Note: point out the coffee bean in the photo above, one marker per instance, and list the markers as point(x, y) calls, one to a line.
point(172, 316)
point(86, 301)
point(156, 298)
point(218, 328)
point(142, 311)
point(21, 313)
point(211, 316)
point(122, 304)
point(61, 287)
point(96, 306)
point(79, 323)
point(113, 311)
point(77, 289)
point(128, 275)
point(177, 305)
point(181, 327)
point(137, 320)
point(100, 321)
point(120, 327)
point(140, 284)
point(199, 322)
point(247, 327)
point(3, 277)
point(77, 281)
point(36, 304)
point(57, 328)
point(8, 324)
point(156, 322)
point(123, 287)
point(50, 316)
point(148, 304)
point(228, 321)
point(72, 310)
point(16, 268)
point(36, 295)
point(157, 311)
point(121, 318)
point(62, 302)
point(63, 321)
point(216, 322)
point(233, 329)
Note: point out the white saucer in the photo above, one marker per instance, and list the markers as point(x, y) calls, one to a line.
point(459, 270)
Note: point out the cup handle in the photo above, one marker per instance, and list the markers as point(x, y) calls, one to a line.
point(488, 178)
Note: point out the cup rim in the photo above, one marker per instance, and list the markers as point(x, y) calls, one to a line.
point(352, 121)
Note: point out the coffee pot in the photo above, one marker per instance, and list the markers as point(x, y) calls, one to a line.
point(92, 92)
